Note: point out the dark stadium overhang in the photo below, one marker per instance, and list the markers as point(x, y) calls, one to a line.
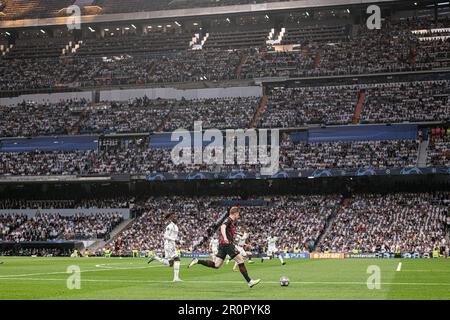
point(194, 12)
point(141, 188)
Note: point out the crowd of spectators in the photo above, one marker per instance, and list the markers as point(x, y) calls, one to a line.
point(393, 48)
point(373, 223)
point(365, 222)
point(348, 155)
point(335, 105)
point(37, 252)
point(296, 220)
point(298, 106)
point(412, 101)
point(46, 226)
point(87, 71)
point(81, 117)
point(117, 202)
point(47, 163)
point(139, 115)
point(287, 107)
point(9, 222)
point(47, 119)
point(226, 113)
point(301, 156)
point(438, 153)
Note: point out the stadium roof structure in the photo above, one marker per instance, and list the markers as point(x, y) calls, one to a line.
point(192, 12)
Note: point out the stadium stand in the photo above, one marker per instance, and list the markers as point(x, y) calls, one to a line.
point(383, 103)
point(45, 226)
point(140, 115)
point(349, 81)
point(242, 39)
point(281, 218)
point(413, 101)
point(137, 160)
point(439, 151)
point(38, 48)
point(384, 223)
point(295, 107)
point(15, 204)
point(347, 155)
point(395, 49)
point(131, 44)
point(300, 35)
point(290, 107)
point(214, 113)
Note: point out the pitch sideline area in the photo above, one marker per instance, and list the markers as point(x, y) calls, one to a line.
point(46, 278)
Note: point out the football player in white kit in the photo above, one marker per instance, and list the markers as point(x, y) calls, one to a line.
point(214, 247)
point(272, 249)
point(171, 257)
point(240, 240)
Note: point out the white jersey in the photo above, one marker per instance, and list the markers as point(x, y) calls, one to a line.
point(272, 244)
point(171, 233)
point(170, 238)
point(214, 245)
point(241, 239)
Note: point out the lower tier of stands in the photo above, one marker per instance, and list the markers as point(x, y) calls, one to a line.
point(404, 222)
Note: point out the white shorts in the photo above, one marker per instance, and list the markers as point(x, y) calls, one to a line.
point(272, 250)
point(241, 251)
point(170, 250)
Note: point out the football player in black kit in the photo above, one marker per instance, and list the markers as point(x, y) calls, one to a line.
point(226, 247)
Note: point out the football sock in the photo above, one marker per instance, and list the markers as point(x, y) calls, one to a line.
point(281, 259)
point(176, 269)
point(207, 263)
point(244, 272)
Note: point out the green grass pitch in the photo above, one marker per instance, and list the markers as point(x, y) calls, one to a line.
point(128, 278)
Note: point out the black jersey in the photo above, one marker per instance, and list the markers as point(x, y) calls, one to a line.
point(229, 230)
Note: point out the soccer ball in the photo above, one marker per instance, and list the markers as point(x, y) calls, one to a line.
point(284, 281)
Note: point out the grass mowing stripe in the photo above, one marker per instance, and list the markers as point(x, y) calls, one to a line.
point(133, 278)
point(230, 281)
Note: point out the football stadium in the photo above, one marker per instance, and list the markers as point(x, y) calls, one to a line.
point(224, 150)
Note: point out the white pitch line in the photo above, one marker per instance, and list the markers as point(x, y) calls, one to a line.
point(434, 271)
point(224, 281)
point(92, 270)
point(399, 267)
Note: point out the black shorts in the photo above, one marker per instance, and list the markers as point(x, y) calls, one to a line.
point(227, 249)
